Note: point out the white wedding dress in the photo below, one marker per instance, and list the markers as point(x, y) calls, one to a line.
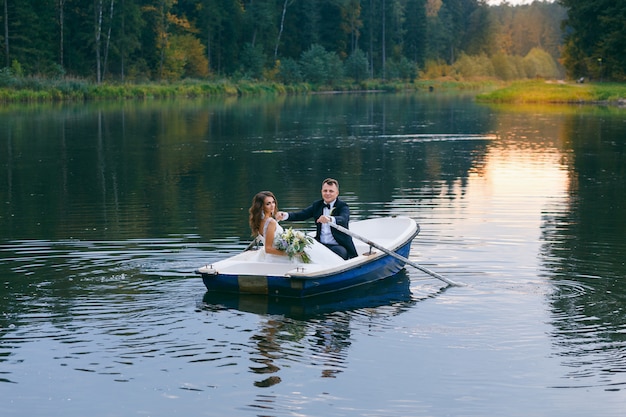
point(318, 253)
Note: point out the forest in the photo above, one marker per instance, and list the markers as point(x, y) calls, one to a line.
point(316, 41)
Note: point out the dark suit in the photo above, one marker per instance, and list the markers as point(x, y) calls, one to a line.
point(341, 213)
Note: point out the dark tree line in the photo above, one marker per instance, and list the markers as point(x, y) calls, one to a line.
point(290, 40)
point(595, 44)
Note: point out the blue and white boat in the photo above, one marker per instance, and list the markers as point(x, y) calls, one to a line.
point(383, 245)
point(393, 292)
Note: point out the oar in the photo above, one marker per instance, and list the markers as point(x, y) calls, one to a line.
point(254, 242)
point(395, 255)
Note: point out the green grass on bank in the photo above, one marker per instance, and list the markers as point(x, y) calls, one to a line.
point(535, 91)
point(42, 90)
point(539, 91)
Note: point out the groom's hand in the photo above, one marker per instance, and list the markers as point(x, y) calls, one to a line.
point(280, 215)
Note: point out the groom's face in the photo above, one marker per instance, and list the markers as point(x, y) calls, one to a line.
point(329, 192)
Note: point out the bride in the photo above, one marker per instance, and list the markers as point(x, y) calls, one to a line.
point(263, 224)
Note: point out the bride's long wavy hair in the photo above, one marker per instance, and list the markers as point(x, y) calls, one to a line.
point(256, 210)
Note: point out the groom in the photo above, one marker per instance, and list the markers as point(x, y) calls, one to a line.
point(328, 210)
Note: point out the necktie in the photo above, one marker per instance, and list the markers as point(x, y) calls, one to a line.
point(327, 206)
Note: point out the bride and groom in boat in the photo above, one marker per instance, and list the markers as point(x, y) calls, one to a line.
point(330, 246)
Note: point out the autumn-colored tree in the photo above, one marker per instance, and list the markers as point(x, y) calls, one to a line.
point(352, 23)
point(539, 63)
point(185, 58)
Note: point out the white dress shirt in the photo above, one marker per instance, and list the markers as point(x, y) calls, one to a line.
point(326, 235)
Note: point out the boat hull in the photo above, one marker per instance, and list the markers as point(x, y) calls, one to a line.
point(391, 291)
point(259, 279)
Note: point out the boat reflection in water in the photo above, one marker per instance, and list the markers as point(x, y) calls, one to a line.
point(317, 327)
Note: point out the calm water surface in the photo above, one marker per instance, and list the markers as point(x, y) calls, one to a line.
point(106, 209)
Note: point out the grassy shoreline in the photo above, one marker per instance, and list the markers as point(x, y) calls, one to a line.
point(545, 92)
point(37, 90)
point(487, 91)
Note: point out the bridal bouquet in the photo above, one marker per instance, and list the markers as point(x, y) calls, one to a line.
point(294, 243)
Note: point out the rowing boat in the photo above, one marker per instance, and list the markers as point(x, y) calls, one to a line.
point(244, 273)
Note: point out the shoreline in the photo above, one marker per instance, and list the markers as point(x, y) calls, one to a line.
point(71, 90)
point(557, 92)
point(487, 91)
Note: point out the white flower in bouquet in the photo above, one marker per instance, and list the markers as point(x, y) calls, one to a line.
point(294, 243)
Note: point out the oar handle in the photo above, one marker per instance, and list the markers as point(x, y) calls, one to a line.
point(254, 242)
point(395, 255)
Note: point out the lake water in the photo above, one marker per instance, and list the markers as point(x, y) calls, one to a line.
point(107, 208)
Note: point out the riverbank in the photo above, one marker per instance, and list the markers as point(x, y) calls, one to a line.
point(41, 90)
point(32, 90)
point(539, 91)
